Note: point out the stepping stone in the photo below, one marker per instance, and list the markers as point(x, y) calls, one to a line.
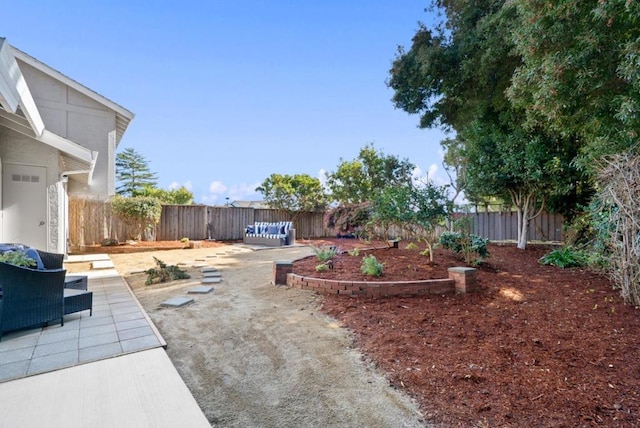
point(212, 274)
point(201, 290)
point(212, 255)
point(133, 272)
point(102, 264)
point(200, 265)
point(211, 280)
point(208, 269)
point(177, 302)
point(200, 260)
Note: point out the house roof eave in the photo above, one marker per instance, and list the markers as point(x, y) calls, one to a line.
point(123, 116)
point(14, 91)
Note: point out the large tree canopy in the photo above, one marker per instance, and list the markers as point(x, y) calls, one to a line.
point(456, 76)
point(457, 68)
point(580, 71)
point(293, 193)
point(361, 179)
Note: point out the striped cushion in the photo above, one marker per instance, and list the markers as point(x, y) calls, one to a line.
point(269, 230)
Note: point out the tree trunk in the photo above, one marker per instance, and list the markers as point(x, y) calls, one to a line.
point(525, 205)
point(523, 228)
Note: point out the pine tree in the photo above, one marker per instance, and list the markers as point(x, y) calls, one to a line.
point(133, 173)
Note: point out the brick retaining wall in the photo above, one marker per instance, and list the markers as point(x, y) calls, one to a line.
point(461, 280)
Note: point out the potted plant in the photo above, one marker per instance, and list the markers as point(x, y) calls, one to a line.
point(18, 258)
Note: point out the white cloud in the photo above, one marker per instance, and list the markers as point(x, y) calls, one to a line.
point(322, 176)
point(175, 185)
point(217, 187)
point(219, 192)
point(244, 191)
point(433, 172)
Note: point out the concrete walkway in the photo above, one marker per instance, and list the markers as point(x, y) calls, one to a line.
point(106, 370)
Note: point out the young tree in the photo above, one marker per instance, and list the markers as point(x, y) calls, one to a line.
point(133, 172)
point(414, 209)
point(293, 193)
point(525, 169)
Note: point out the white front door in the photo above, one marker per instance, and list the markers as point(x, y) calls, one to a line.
point(24, 205)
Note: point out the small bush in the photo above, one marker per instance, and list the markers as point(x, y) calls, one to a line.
point(472, 247)
point(322, 267)
point(354, 252)
point(164, 273)
point(371, 266)
point(185, 241)
point(565, 257)
point(412, 246)
point(325, 252)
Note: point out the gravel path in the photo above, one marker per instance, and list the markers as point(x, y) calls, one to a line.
point(257, 355)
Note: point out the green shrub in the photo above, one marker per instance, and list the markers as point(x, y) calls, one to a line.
point(354, 252)
point(412, 246)
point(140, 213)
point(472, 247)
point(18, 258)
point(322, 267)
point(324, 253)
point(371, 266)
point(565, 257)
point(164, 273)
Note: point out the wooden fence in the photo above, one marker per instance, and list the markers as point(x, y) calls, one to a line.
point(503, 226)
point(91, 222)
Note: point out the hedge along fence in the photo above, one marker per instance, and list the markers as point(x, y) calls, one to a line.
point(91, 222)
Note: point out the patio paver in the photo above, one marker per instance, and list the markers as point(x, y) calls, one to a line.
point(117, 318)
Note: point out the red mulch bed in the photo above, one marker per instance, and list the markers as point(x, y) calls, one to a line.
point(140, 246)
point(536, 346)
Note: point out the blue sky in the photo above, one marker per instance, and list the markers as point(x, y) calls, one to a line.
point(226, 93)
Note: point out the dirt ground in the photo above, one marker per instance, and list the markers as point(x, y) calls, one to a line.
point(536, 346)
point(257, 355)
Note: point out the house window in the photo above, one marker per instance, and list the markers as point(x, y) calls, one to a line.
point(25, 178)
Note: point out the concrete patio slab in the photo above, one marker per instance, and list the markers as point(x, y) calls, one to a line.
point(102, 264)
point(141, 389)
point(82, 258)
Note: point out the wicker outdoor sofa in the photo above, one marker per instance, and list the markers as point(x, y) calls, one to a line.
point(36, 297)
point(274, 234)
point(30, 297)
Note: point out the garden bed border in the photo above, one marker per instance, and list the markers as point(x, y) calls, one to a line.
point(461, 280)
